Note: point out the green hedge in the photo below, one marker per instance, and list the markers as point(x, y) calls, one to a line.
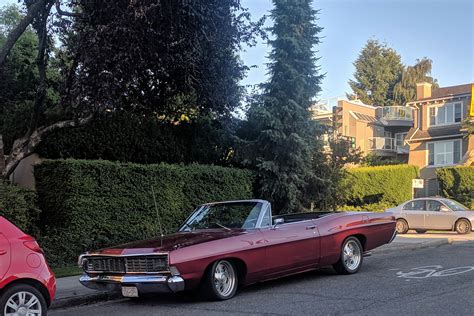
point(131, 138)
point(91, 204)
point(380, 187)
point(18, 205)
point(457, 183)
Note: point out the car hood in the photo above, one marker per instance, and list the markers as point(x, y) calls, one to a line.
point(169, 242)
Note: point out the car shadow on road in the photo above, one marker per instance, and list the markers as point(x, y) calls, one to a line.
point(189, 297)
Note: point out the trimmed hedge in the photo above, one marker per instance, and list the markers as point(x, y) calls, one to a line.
point(18, 205)
point(146, 140)
point(457, 183)
point(376, 188)
point(92, 204)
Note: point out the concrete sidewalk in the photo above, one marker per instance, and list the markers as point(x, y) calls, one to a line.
point(71, 293)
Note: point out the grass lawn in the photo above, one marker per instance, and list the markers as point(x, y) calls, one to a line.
point(61, 272)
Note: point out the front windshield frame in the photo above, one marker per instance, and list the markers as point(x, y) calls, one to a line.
point(455, 206)
point(263, 207)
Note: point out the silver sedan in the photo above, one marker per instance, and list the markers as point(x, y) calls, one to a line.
point(433, 214)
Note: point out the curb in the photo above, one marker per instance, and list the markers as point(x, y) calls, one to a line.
point(427, 244)
point(86, 299)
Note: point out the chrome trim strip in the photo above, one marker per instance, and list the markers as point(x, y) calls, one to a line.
point(84, 257)
point(174, 283)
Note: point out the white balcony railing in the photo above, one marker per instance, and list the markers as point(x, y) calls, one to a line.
point(397, 113)
point(387, 144)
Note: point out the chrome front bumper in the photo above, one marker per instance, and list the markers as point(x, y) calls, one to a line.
point(144, 283)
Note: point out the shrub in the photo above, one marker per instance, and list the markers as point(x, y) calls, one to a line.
point(92, 204)
point(18, 205)
point(131, 138)
point(457, 183)
point(382, 186)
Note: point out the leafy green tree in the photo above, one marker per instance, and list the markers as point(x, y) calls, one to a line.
point(280, 135)
point(405, 90)
point(378, 70)
point(167, 58)
point(326, 188)
point(18, 77)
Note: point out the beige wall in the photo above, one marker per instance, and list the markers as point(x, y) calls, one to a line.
point(346, 107)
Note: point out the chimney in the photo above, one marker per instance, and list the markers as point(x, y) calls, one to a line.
point(423, 90)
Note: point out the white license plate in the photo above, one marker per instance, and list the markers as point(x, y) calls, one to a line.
point(129, 291)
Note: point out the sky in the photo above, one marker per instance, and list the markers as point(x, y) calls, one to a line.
point(442, 30)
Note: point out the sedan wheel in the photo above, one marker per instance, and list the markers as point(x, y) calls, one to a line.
point(463, 227)
point(221, 281)
point(23, 300)
point(402, 226)
point(351, 257)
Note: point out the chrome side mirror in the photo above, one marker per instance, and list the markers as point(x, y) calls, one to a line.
point(277, 221)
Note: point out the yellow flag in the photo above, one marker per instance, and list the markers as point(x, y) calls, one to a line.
point(471, 112)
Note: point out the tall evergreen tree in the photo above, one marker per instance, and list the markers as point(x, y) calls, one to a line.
point(279, 129)
point(378, 69)
point(405, 90)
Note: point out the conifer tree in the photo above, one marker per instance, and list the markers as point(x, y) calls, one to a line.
point(378, 69)
point(283, 136)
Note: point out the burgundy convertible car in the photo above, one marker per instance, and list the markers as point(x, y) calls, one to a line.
point(228, 244)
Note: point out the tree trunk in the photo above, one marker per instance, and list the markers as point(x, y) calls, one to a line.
point(20, 28)
point(2, 155)
point(25, 146)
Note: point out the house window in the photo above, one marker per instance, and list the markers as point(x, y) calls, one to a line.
point(449, 113)
point(444, 153)
point(400, 139)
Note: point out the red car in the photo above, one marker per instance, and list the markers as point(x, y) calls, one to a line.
point(27, 284)
point(224, 245)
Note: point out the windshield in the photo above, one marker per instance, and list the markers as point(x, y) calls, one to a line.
point(224, 215)
point(455, 206)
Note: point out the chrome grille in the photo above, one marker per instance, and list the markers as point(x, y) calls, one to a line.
point(128, 264)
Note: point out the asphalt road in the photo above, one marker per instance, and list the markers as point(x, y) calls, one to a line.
point(387, 284)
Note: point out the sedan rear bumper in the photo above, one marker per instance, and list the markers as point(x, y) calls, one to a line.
point(143, 283)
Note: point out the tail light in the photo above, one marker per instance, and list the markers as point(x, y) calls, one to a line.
point(33, 245)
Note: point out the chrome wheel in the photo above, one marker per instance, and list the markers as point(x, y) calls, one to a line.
point(224, 278)
point(463, 227)
point(352, 255)
point(401, 226)
point(23, 304)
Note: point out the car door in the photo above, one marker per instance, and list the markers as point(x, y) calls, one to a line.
point(4, 255)
point(414, 213)
point(437, 219)
point(290, 246)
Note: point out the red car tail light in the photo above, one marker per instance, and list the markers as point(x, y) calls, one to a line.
point(33, 245)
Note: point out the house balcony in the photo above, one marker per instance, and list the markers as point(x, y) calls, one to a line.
point(396, 115)
point(386, 146)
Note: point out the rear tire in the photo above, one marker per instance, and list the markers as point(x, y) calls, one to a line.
point(463, 227)
point(402, 226)
point(351, 257)
point(22, 299)
point(420, 231)
point(220, 281)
